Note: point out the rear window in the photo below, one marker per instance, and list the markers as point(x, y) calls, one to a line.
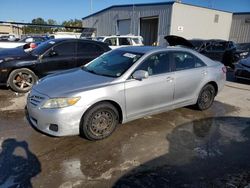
point(124, 41)
point(136, 40)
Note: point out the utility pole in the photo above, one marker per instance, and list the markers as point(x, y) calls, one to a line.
point(91, 6)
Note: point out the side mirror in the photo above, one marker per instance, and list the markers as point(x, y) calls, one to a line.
point(140, 74)
point(52, 53)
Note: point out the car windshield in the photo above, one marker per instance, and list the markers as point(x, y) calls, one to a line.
point(43, 47)
point(113, 64)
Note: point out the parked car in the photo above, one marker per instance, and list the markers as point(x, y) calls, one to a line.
point(120, 86)
point(8, 38)
point(243, 46)
point(117, 41)
point(20, 69)
point(219, 50)
point(242, 69)
point(28, 41)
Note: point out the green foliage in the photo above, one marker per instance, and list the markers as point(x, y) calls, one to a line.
point(72, 23)
point(46, 30)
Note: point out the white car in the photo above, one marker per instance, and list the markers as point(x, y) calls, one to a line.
point(121, 40)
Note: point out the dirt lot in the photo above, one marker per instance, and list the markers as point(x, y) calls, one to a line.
point(180, 148)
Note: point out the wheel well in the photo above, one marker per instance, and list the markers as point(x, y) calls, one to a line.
point(116, 105)
point(215, 86)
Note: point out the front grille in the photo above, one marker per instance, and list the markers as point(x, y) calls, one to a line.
point(35, 99)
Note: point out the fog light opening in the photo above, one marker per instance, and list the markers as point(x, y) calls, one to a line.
point(53, 127)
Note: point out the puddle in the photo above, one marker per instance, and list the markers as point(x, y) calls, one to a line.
point(211, 152)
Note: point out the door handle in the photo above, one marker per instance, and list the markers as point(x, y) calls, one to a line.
point(169, 79)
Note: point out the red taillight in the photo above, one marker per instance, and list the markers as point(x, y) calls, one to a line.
point(33, 45)
point(224, 70)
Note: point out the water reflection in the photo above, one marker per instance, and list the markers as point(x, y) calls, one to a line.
point(212, 152)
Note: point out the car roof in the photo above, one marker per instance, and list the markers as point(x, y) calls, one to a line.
point(141, 49)
point(121, 36)
point(77, 39)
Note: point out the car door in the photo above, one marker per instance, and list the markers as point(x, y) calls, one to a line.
point(87, 51)
point(190, 72)
point(59, 57)
point(153, 93)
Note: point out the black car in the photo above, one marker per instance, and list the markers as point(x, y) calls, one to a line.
point(242, 69)
point(20, 69)
point(218, 50)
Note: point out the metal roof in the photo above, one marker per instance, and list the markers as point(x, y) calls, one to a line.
point(130, 5)
point(152, 4)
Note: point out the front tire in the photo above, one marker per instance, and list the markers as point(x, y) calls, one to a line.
point(22, 80)
point(99, 122)
point(206, 97)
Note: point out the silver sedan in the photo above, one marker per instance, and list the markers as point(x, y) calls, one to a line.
point(120, 86)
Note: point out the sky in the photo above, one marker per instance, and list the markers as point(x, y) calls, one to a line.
point(61, 10)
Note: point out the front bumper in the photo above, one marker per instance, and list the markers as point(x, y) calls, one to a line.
point(66, 119)
point(3, 76)
point(243, 73)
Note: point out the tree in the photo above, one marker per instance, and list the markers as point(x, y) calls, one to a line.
point(51, 22)
point(44, 30)
point(72, 23)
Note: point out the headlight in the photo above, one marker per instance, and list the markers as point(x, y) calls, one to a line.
point(244, 53)
point(1, 60)
point(60, 102)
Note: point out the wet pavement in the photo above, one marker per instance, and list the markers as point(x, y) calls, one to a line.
point(179, 148)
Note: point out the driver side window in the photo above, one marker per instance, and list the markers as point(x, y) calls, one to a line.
point(64, 49)
point(156, 64)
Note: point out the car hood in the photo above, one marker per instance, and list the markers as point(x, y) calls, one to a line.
point(14, 54)
point(69, 82)
point(178, 41)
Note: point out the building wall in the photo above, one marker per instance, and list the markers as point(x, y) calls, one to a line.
point(11, 29)
point(193, 22)
point(240, 29)
point(106, 22)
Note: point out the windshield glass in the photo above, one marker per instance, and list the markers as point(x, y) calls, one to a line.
point(40, 49)
point(113, 64)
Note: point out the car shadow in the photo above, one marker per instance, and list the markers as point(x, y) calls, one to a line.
point(211, 152)
point(4, 88)
point(17, 164)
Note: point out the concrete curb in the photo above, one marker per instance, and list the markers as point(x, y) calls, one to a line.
point(238, 86)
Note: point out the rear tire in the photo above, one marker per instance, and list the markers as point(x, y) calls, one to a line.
point(22, 80)
point(99, 122)
point(206, 97)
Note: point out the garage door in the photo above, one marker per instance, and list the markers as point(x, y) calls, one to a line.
point(149, 30)
point(124, 26)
